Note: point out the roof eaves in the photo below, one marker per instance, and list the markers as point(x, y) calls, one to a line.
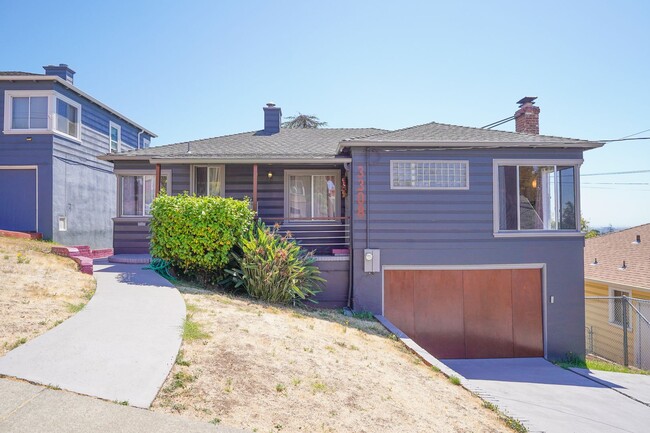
point(467, 144)
point(77, 91)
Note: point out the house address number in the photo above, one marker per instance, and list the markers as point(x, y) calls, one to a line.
point(361, 192)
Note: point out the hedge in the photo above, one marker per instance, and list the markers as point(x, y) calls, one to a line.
point(196, 234)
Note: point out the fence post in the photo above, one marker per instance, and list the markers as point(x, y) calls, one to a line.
point(625, 354)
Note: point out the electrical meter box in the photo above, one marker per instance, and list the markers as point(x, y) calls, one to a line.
point(371, 261)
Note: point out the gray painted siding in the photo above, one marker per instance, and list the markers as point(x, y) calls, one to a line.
point(335, 293)
point(422, 227)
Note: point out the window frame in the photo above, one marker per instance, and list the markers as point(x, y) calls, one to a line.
point(429, 161)
point(315, 172)
point(496, 163)
point(134, 173)
point(222, 177)
point(612, 307)
point(112, 125)
point(52, 96)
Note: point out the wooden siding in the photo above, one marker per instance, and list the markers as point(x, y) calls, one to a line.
point(607, 337)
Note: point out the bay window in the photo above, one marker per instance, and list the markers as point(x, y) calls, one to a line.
point(312, 194)
point(536, 196)
point(41, 112)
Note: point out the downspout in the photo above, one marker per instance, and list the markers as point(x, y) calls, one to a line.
point(349, 209)
point(137, 145)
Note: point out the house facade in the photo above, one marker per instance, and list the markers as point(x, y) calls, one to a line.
point(50, 178)
point(466, 239)
point(617, 265)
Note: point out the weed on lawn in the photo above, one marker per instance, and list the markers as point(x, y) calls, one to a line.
point(180, 359)
point(75, 308)
point(454, 379)
point(193, 330)
point(514, 424)
point(17, 343)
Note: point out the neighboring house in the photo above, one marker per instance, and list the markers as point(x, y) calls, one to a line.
point(467, 239)
point(616, 265)
point(50, 178)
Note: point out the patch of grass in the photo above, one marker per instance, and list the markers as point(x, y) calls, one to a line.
point(17, 343)
point(181, 380)
point(363, 315)
point(193, 330)
point(318, 386)
point(180, 359)
point(280, 387)
point(454, 379)
point(75, 308)
point(22, 259)
point(215, 421)
point(572, 361)
point(228, 387)
point(123, 402)
point(511, 422)
point(435, 369)
point(54, 387)
point(295, 381)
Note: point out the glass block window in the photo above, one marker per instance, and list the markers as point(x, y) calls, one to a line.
point(429, 174)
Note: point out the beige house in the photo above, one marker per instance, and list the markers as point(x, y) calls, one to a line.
point(617, 265)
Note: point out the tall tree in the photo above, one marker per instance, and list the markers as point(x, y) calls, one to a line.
point(303, 121)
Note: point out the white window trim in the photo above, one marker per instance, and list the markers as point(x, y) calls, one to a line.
point(52, 96)
point(112, 125)
point(496, 163)
point(54, 122)
point(134, 172)
point(222, 177)
point(612, 306)
point(431, 188)
point(316, 172)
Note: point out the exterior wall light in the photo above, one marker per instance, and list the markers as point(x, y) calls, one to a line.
point(270, 175)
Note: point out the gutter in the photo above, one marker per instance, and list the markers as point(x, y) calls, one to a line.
point(197, 160)
point(468, 144)
point(77, 91)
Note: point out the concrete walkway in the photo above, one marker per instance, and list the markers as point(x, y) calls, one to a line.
point(549, 398)
point(635, 386)
point(120, 347)
point(27, 408)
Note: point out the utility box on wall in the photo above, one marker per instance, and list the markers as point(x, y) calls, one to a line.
point(371, 261)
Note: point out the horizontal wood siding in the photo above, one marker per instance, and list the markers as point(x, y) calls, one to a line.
point(130, 237)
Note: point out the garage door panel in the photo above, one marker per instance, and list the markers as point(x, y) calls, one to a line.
point(438, 313)
point(527, 312)
point(488, 314)
point(398, 300)
point(18, 199)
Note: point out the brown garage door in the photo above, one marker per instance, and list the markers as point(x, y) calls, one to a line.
point(469, 313)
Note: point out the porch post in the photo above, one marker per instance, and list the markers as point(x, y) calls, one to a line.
point(255, 187)
point(157, 180)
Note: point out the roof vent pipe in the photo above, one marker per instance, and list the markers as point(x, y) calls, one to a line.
point(638, 239)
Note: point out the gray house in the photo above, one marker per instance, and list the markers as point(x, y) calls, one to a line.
point(50, 178)
point(467, 239)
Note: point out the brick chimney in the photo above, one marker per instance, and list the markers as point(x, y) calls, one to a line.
point(527, 117)
point(62, 71)
point(272, 118)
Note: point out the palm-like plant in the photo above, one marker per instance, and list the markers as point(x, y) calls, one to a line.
point(303, 121)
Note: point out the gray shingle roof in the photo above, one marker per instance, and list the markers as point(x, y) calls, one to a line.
point(286, 144)
point(16, 73)
point(439, 133)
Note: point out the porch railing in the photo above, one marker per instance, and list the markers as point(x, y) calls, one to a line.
point(329, 236)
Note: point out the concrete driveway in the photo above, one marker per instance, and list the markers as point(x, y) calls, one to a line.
point(120, 347)
point(551, 399)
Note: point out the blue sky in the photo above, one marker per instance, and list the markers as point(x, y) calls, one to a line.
point(197, 69)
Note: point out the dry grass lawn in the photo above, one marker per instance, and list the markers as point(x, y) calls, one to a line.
point(38, 290)
point(270, 369)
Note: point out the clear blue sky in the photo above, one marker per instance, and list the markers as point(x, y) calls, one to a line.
point(196, 69)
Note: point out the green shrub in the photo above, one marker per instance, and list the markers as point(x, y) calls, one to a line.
point(196, 234)
point(274, 268)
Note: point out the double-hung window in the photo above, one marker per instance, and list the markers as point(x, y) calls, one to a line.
point(312, 194)
point(41, 112)
point(208, 180)
point(536, 196)
point(114, 137)
point(137, 192)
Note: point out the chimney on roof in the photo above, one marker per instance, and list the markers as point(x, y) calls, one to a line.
point(527, 117)
point(272, 118)
point(62, 71)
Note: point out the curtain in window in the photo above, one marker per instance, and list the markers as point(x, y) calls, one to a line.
point(299, 196)
point(508, 192)
point(132, 195)
point(214, 181)
point(324, 198)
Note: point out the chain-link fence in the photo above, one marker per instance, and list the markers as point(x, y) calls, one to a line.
point(617, 328)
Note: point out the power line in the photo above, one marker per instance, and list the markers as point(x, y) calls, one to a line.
point(640, 132)
point(616, 183)
point(615, 173)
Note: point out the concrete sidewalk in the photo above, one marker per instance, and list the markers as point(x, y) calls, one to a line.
point(27, 408)
point(120, 347)
point(551, 399)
